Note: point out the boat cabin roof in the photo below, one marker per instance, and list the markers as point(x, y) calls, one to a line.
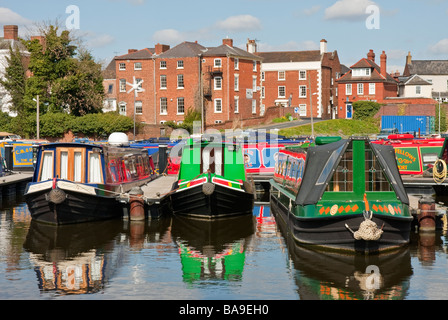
point(322, 162)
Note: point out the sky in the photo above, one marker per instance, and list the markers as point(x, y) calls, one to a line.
point(352, 27)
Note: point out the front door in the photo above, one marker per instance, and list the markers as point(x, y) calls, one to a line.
point(349, 114)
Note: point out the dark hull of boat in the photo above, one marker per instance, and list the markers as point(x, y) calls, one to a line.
point(332, 233)
point(76, 208)
point(221, 203)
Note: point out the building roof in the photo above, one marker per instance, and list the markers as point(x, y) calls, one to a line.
point(375, 75)
point(415, 80)
point(6, 43)
point(142, 54)
point(290, 56)
point(110, 72)
point(224, 50)
point(428, 67)
point(184, 50)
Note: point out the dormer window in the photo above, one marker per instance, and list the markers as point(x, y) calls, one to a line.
point(361, 72)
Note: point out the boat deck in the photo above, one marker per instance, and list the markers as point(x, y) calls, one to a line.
point(157, 189)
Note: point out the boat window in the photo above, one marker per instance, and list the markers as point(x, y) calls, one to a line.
point(95, 169)
point(374, 175)
point(342, 180)
point(77, 174)
point(212, 160)
point(46, 166)
point(64, 165)
point(329, 165)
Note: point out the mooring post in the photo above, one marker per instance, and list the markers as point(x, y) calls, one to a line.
point(427, 215)
point(137, 206)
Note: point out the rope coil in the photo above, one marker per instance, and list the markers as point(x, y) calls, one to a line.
point(439, 176)
point(368, 230)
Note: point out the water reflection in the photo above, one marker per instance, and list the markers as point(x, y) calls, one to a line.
point(212, 249)
point(329, 275)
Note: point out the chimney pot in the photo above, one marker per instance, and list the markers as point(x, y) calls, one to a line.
point(323, 46)
point(371, 55)
point(11, 32)
point(161, 48)
point(228, 42)
point(383, 58)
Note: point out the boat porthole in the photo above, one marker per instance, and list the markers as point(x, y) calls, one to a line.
point(334, 209)
point(391, 210)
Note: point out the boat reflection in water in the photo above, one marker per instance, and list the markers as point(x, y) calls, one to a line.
point(212, 249)
point(331, 275)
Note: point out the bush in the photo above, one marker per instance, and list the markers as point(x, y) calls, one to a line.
point(365, 109)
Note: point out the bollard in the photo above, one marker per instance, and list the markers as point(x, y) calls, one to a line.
point(427, 215)
point(137, 206)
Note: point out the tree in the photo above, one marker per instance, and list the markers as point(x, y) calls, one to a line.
point(365, 109)
point(66, 78)
point(15, 78)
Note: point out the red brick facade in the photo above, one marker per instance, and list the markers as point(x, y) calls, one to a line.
point(376, 85)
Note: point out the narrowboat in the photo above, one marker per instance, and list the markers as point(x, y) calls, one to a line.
point(415, 156)
point(212, 181)
point(343, 195)
point(77, 182)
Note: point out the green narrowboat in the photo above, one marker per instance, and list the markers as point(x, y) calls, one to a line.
point(212, 181)
point(344, 195)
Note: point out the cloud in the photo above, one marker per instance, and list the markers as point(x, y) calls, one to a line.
point(312, 10)
point(7, 16)
point(440, 47)
point(349, 10)
point(99, 40)
point(168, 36)
point(241, 23)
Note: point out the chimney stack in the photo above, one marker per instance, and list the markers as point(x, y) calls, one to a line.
point(228, 42)
point(251, 46)
point(371, 55)
point(132, 50)
point(409, 58)
point(11, 32)
point(161, 48)
point(323, 46)
point(383, 58)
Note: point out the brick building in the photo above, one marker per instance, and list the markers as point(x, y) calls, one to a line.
point(365, 81)
point(222, 81)
point(301, 81)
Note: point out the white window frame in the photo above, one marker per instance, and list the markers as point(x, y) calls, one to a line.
point(163, 81)
point(302, 91)
point(237, 104)
point(162, 64)
point(216, 105)
point(360, 88)
point(254, 83)
point(122, 108)
point(302, 110)
point(254, 106)
point(348, 89)
point(372, 88)
point(217, 83)
point(282, 88)
point(137, 66)
point(122, 66)
point(138, 107)
point(237, 64)
point(163, 105)
point(254, 66)
point(217, 63)
point(302, 75)
point(180, 81)
point(181, 105)
point(281, 75)
point(122, 85)
point(237, 82)
point(180, 64)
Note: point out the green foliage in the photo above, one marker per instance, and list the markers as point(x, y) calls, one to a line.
point(339, 127)
point(14, 79)
point(190, 117)
point(443, 125)
point(66, 78)
point(101, 125)
point(365, 109)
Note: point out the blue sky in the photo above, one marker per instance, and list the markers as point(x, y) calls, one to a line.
point(111, 27)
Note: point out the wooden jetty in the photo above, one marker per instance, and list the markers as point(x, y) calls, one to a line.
point(15, 181)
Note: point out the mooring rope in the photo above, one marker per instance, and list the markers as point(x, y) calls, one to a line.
point(439, 176)
point(368, 230)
